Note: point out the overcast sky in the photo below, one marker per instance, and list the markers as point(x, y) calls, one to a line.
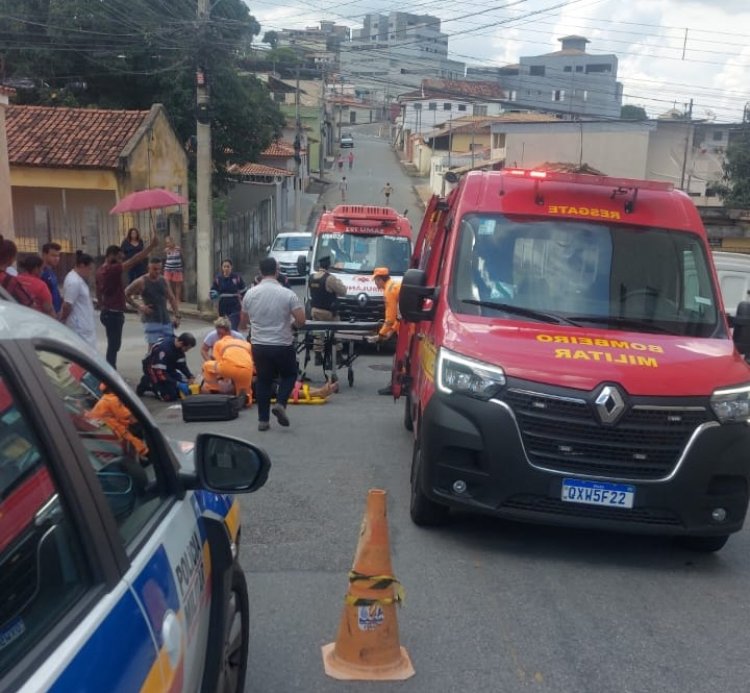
point(648, 36)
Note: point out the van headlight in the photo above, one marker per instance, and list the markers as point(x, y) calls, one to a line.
point(732, 405)
point(465, 376)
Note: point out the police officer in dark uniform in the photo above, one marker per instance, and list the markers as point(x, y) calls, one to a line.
point(325, 288)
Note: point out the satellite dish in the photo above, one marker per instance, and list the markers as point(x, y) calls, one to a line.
point(451, 177)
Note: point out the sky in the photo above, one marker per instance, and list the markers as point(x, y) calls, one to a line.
point(669, 51)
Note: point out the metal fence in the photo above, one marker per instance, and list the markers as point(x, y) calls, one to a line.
point(244, 237)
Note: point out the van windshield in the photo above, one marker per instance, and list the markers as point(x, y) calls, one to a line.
point(583, 273)
point(358, 253)
point(288, 243)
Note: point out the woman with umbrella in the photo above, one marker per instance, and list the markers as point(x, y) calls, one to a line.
point(228, 288)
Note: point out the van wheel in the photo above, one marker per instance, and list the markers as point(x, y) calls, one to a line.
point(423, 511)
point(408, 421)
point(703, 544)
point(236, 637)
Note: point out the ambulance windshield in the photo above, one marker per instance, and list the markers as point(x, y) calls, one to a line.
point(358, 253)
point(586, 273)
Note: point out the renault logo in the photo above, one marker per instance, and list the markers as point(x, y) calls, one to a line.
point(609, 404)
point(362, 300)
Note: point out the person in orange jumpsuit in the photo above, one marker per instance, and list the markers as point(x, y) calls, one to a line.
point(391, 289)
point(110, 411)
point(231, 360)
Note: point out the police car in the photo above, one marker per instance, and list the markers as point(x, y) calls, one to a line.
point(118, 548)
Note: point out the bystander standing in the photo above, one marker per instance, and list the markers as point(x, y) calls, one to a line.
point(272, 311)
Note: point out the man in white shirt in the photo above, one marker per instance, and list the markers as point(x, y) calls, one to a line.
point(78, 308)
point(272, 310)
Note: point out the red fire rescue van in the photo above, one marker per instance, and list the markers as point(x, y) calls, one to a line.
point(359, 238)
point(565, 358)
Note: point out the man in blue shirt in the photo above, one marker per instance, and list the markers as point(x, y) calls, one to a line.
point(51, 259)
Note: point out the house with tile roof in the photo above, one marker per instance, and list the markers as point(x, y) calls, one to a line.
point(6, 204)
point(70, 166)
point(266, 191)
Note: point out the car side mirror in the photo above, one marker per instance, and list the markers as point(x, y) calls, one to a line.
point(741, 324)
point(302, 265)
point(416, 301)
point(230, 465)
point(268, 248)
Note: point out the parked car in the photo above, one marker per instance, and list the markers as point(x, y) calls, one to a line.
point(346, 141)
point(286, 248)
point(118, 547)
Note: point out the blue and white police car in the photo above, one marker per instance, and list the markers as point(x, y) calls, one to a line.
point(118, 549)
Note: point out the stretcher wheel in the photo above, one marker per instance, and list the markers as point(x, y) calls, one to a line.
point(350, 377)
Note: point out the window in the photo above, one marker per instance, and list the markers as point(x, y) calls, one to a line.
point(536, 70)
point(447, 106)
point(462, 107)
point(498, 140)
point(579, 68)
point(558, 95)
point(479, 110)
point(598, 67)
point(417, 106)
point(114, 440)
point(432, 106)
point(718, 135)
point(42, 566)
point(568, 68)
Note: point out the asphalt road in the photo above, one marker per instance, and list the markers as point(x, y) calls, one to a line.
point(490, 605)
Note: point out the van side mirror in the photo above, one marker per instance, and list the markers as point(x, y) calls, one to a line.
point(416, 301)
point(268, 248)
point(302, 265)
point(741, 324)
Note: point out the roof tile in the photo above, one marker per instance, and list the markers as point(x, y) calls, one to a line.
point(69, 137)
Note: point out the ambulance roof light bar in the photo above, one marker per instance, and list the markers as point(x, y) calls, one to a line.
point(370, 213)
point(588, 179)
point(619, 186)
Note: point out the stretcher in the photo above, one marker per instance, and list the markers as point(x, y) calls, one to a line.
point(333, 333)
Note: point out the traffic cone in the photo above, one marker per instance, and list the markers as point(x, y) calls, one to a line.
point(367, 647)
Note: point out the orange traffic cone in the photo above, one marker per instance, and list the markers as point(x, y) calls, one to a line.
point(367, 647)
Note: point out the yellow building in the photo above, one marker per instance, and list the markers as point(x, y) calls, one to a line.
point(6, 207)
point(70, 166)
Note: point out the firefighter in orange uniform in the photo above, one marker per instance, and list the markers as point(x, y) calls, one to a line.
point(232, 360)
point(110, 411)
point(391, 289)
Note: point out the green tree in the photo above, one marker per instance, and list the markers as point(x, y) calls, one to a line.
point(629, 112)
point(735, 188)
point(130, 54)
point(271, 38)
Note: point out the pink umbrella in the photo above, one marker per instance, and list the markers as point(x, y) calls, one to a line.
point(153, 198)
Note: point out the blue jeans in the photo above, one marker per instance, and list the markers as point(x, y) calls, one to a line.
point(157, 330)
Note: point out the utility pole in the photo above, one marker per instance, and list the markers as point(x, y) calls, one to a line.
point(204, 165)
point(687, 144)
point(297, 155)
point(341, 105)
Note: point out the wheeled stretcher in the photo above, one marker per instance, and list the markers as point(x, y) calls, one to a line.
point(332, 333)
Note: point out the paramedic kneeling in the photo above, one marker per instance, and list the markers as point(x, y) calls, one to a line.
point(232, 360)
point(165, 369)
point(391, 289)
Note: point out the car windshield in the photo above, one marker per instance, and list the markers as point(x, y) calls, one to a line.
point(583, 273)
point(286, 243)
point(359, 253)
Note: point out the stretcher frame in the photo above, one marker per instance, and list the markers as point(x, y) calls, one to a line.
point(333, 332)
